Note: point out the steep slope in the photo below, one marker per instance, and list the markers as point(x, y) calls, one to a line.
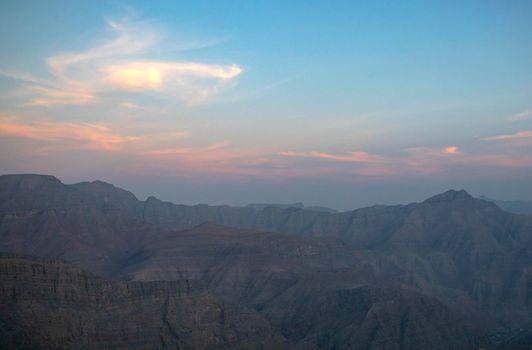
point(53, 305)
point(456, 241)
point(41, 216)
point(315, 291)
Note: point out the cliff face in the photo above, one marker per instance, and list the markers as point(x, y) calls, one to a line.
point(50, 304)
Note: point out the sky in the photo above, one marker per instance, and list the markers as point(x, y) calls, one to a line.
point(335, 103)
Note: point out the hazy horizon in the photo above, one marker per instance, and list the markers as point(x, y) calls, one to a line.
point(186, 195)
point(339, 104)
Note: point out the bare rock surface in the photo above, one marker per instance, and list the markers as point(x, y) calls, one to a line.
point(49, 304)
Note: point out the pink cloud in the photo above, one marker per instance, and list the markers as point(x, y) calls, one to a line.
point(91, 136)
point(167, 152)
point(427, 152)
point(87, 136)
point(451, 150)
point(52, 96)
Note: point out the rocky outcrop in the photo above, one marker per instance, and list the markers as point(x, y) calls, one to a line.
point(53, 305)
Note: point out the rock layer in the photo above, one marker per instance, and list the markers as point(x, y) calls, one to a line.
point(49, 304)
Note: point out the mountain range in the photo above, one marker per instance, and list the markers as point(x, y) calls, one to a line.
point(451, 272)
point(516, 206)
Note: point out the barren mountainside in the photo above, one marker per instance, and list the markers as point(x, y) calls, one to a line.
point(450, 272)
point(48, 304)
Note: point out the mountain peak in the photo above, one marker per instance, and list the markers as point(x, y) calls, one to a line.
point(102, 188)
point(451, 195)
point(30, 181)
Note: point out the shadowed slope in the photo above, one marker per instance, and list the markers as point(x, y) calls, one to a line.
point(53, 305)
point(315, 290)
point(41, 216)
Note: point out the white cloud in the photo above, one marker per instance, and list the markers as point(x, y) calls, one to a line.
point(521, 116)
point(510, 137)
point(124, 64)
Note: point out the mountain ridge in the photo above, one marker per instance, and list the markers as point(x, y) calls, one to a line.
point(464, 254)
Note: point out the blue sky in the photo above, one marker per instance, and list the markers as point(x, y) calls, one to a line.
point(335, 103)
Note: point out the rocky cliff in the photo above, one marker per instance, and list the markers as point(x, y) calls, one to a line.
point(49, 304)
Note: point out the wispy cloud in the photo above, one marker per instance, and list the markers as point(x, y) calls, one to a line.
point(89, 136)
point(189, 152)
point(419, 161)
point(521, 116)
point(82, 136)
point(430, 152)
point(422, 160)
point(122, 64)
point(165, 150)
point(351, 157)
point(510, 137)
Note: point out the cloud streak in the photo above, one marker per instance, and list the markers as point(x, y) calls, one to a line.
point(82, 136)
point(525, 115)
point(351, 157)
point(89, 136)
point(121, 65)
point(428, 152)
point(171, 151)
point(510, 137)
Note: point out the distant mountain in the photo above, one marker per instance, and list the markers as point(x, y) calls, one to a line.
point(309, 274)
point(299, 205)
point(516, 206)
point(261, 206)
point(320, 208)
point(49, 304)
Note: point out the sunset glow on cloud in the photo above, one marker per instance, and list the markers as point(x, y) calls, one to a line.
point(86, 76)
point(90, 136)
